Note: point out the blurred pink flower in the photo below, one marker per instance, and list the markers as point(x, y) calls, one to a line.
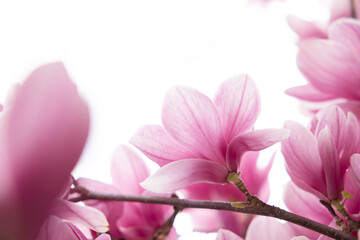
point(355, 168)
point(314, 29)
point(317, 158)
point(43, 129)
point(131, 220)
point(202, 141)
point(332, 67)
point(256, 182)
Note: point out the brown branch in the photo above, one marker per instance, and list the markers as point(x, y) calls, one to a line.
point(270, 211)
point(339, 221)
point(353, 12)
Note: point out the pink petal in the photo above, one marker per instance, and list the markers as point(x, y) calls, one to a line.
point(238, 104)
point(55, 229)
point(157, 145)
point(330, 162)
point(252, 141)
point(46, 129)
point(305, 29)
point(352, 106)
point(224, 234)
point(353, 204)
point(355, 168)
point(346, 32)
point(113, 210)
point(330, 67)
point(181, 173)
point(128, 170)
point(309, 93)
point(269, 228)
point(87, 216)
point(103, 237)
point(302, 159)
point(192, 120)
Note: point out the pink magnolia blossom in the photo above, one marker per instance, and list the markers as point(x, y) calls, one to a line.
point(43, 129)
point(317, 158)
point(203, 141)
point(315, 29)
point(132, 220)
point(205, 220)
point(332, 67)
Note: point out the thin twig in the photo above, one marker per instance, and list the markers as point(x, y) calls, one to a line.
point(339, 221)
point(272, 211)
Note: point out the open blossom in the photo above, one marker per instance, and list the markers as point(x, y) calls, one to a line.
point(315, 29)
point(317, 158)
point(130, 220)
point(205, 220)
point(203, 141)
point(332, 67)
point(43, 128)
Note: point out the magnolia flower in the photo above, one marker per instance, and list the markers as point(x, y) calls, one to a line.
point(355, 168)
point(317, 158)
point(203, 141)
point(205, 220)
point(130, 220)
point(332, 67)
point(43, 129)
point(314, 29)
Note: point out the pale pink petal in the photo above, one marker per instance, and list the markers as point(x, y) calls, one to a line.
point(137, 232)
point(340, 9)
point(352, 204)
point(238, 104)
point(331, 166)
point(192, 120)
point(302, 159)
point(309, 93)
point(346, 32)
point(55, 229)
point(269, 228)
point(46, 129)
point(330, 67)
point(128, 170)
point(103, 237)
point(252, 141)
point(305, 29)
point(87, 216)
point(180, 174)
point(352, 106)
point(204, 220)
point(113, 210)
point(355, 168)
point(224, 234)
point(300, 238)
point(157, 145)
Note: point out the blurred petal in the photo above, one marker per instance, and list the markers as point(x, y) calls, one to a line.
point(355, 168)
point(157, 145)
point(238, 104)
point(179, 174)
point(268, 228)
point(128, 170)
point(192, 120)
point(302, 159)
point(330, 162)
point(330, 67)
point(352, 204)
point(87, 216)
point(346, 32)
point(46, 129)
point(305, 29)
point(309, 93)
point(224, 234)
point(55, 229)
point(252, 141)
point(103, 237)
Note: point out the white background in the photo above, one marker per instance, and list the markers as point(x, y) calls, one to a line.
point(125, 55)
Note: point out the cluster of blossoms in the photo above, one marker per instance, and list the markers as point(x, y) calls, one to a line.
point(206, 149)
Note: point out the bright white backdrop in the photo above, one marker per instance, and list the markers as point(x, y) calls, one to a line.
point(125, 55)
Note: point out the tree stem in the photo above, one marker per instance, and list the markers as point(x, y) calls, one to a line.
point(270, 211)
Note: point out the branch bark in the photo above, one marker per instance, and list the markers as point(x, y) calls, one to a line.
point(270, 211)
